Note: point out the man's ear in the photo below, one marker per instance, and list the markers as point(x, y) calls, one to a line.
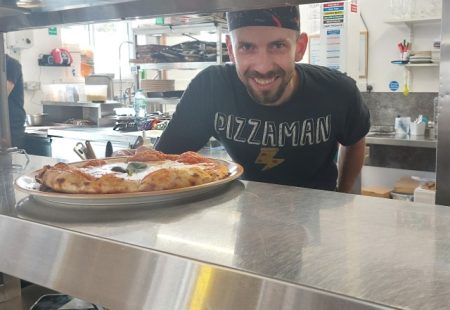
point(229, 48)
point(301, 44)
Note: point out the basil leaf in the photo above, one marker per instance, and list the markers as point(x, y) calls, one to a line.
point(118, 169)
point(135, 167)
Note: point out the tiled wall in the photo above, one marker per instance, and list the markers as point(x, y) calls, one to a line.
point(384, 107)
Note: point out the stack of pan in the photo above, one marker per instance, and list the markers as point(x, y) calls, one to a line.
point(191, 51)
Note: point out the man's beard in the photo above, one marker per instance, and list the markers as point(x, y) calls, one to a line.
point(268, 97)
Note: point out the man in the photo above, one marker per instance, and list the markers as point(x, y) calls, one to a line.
point(282, 121)
point(14, 88)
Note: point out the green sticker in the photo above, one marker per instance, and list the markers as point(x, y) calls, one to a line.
point(52, 31)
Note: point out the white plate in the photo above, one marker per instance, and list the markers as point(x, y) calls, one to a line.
point(29, 185)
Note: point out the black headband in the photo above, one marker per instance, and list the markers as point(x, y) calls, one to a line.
point(283, 17)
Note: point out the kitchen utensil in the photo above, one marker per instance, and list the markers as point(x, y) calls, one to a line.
point(80, 150)
point(139, 142)
point(109, 149)
point(406, 87)
point(129, 125)
point(36, 119)
point(90, 154)
point(417, 129)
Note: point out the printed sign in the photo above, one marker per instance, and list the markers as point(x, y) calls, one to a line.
point(333, 13)
point(333, 48)
point(52, 31)
point(393, 85)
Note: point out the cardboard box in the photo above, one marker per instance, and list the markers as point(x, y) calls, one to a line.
point(376, 191)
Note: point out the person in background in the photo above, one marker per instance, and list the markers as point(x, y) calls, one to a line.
point(14, 87)
point(282, 121)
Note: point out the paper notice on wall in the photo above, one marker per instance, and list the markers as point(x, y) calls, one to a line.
point(334, 48)
point(333, 13)
point(314, 51)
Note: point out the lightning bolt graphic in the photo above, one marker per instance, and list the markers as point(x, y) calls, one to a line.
point(267, 157)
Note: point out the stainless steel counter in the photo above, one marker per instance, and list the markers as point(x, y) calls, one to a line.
point(249, 246)
point(84, 104)
point(94, 134)
point(401, 140)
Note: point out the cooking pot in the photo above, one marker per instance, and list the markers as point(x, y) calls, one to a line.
point(36, 119)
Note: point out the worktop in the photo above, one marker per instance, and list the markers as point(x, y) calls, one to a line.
point(89, 133)
point(99, 134)
point(249, 245)
point(393, 139)
point(107, 133)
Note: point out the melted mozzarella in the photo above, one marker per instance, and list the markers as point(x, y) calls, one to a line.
point(100, 171)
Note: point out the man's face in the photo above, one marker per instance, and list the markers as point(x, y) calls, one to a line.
point(265, 61)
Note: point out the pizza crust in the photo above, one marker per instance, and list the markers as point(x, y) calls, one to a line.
point(162, 172)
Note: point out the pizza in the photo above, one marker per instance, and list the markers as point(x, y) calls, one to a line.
point(146, 170)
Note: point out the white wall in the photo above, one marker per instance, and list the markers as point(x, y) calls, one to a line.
point(383, 39)
point(43, 43)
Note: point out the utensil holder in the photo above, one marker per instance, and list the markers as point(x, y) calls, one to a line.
point(417, 129)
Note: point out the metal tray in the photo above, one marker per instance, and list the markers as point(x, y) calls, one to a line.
point(29, 185)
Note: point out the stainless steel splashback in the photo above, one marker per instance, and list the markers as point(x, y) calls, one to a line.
point(443, 147)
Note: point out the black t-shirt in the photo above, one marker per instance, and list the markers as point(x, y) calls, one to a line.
point(15, 98)
point(292, 144)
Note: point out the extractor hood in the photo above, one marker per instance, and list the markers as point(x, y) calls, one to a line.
point(10, 8)
point(26, 14)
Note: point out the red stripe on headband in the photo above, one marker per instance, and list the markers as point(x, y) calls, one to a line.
point(276, 21)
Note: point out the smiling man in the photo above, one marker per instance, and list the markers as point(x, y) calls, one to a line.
point(281, 120)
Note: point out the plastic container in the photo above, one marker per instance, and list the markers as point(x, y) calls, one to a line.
point(424, 195)
point(96, 93)
point(417, 129)
point(402, 125)
point(402, 196)
point(140, 104)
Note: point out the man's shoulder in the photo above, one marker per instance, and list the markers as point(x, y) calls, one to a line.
point(324, 73)
point(10, 61)
point(227, 70)
point(13, 70)
point(318, 78)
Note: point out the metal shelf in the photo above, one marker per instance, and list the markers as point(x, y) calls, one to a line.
point(159, 30)
point(84, 104)
point(422, 65)
point(411, 21)
point(173, 100)
point(176, 65)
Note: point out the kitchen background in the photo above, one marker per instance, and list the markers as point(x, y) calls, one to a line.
point(104, 40)
point(111, 48)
